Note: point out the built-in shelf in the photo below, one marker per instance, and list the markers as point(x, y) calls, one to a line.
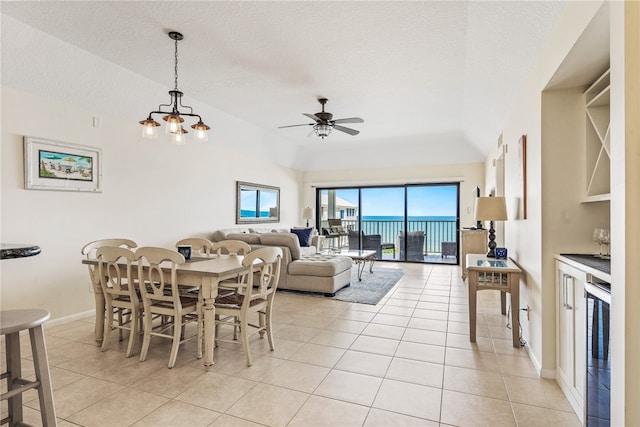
point(598, 140)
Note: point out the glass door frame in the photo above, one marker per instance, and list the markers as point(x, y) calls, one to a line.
point(406, 220)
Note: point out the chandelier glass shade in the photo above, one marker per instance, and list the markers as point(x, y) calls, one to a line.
point(171, 112)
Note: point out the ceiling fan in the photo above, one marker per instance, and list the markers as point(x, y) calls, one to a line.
point(324, 123)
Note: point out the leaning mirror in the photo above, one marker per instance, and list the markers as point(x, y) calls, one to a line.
point(257, 203)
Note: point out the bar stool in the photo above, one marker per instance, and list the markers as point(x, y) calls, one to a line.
point(11, 323)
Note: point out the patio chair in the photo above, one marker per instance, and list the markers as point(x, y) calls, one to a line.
point(336, 227)
point(415, 245)
point(370, 242)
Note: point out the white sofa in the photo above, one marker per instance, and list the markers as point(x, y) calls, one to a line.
point(303, 268)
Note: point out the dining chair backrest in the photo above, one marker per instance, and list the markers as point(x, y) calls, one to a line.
point(199, 245)
point(264, 271)
point(156, 284)
point(89, 250)
point(113, 281)
point(231, 247)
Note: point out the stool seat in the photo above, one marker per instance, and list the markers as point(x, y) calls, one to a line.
point(12, 322)
point(18, 320)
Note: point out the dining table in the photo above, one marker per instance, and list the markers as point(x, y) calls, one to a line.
point(205, 272)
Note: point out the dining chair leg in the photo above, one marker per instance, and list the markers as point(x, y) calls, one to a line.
point(108, 326)
point(261, 324)
point(133, 333)
point(268, 327)
point(148, 325)
point(120, 321)
point(245, 338)
point(177, 333)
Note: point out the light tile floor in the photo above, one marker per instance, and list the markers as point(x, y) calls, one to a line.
point(404, 362)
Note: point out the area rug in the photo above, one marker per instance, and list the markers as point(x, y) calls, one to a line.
point(372, 289)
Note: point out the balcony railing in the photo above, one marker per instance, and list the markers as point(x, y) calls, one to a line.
point(435, 231)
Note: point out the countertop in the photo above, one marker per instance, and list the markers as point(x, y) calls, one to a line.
point(16, 250)
point(596, 266)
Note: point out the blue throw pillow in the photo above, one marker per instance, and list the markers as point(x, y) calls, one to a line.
point(304, 235)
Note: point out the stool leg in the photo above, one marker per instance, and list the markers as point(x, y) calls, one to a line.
point(41, 366)
point(14, 372)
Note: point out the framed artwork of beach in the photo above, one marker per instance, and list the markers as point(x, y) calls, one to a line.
point(54, 165)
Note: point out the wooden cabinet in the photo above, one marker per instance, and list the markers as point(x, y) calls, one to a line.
point(571, 334)
point(598, 140)
point(472, 242)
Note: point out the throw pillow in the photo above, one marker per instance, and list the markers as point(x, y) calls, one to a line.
point(304, 235)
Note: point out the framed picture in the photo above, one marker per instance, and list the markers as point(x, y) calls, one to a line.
point(522, 157)
point(53, 165)
point(257, 203)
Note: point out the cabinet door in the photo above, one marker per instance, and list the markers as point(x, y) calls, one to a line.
point(570, 345)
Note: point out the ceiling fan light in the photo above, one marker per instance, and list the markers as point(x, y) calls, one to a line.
point(322, 130)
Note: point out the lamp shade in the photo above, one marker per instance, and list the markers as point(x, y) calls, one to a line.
point(491, 209)
point(307, 213)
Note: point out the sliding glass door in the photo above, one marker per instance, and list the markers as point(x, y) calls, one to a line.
point(413, 222)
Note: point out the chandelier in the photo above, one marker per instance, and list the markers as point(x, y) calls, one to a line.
point(174, 118)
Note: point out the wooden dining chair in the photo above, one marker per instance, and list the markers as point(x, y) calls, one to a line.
point(160, 296)
point(123, 306)
point(199, 245)
point(231, 247)
point(89, 251)
point(255, 295)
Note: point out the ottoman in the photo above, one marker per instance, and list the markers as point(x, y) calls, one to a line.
point(323, 273)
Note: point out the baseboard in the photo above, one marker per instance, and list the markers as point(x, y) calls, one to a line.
point(71, 318)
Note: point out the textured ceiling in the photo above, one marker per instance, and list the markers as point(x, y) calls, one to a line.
point(436, 74)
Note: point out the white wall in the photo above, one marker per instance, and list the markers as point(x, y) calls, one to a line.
point(153, 192)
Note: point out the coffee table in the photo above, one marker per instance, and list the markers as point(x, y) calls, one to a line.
point(360, 258)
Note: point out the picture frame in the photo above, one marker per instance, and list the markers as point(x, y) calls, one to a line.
point(60, 166)
point(257, 203)
point(522, 157)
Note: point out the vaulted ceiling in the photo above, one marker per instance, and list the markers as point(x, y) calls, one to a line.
point(434, 75)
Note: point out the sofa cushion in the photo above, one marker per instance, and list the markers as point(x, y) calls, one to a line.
point(250, 238)
point(288, 240)
point(304, 235)
point(259, 230)
point(221, 234)
point(320, 265)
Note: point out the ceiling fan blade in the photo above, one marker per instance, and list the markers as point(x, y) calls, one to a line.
point(312, 116)
point(292, 126)
point(346, 130)
point(349, 120)
point(310, 133)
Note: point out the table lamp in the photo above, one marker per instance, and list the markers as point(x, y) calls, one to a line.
point(491, 209)
point(307, 213)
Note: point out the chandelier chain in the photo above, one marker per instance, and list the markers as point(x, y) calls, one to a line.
point(176, 66)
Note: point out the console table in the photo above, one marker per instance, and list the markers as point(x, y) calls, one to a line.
point(499, 274)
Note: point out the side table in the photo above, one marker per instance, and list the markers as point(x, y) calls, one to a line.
point(491, 273)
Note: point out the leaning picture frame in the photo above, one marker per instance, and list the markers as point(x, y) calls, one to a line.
point(522, 159)
point(55, 165)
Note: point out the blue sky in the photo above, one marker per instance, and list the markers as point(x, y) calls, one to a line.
point(437, 200)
